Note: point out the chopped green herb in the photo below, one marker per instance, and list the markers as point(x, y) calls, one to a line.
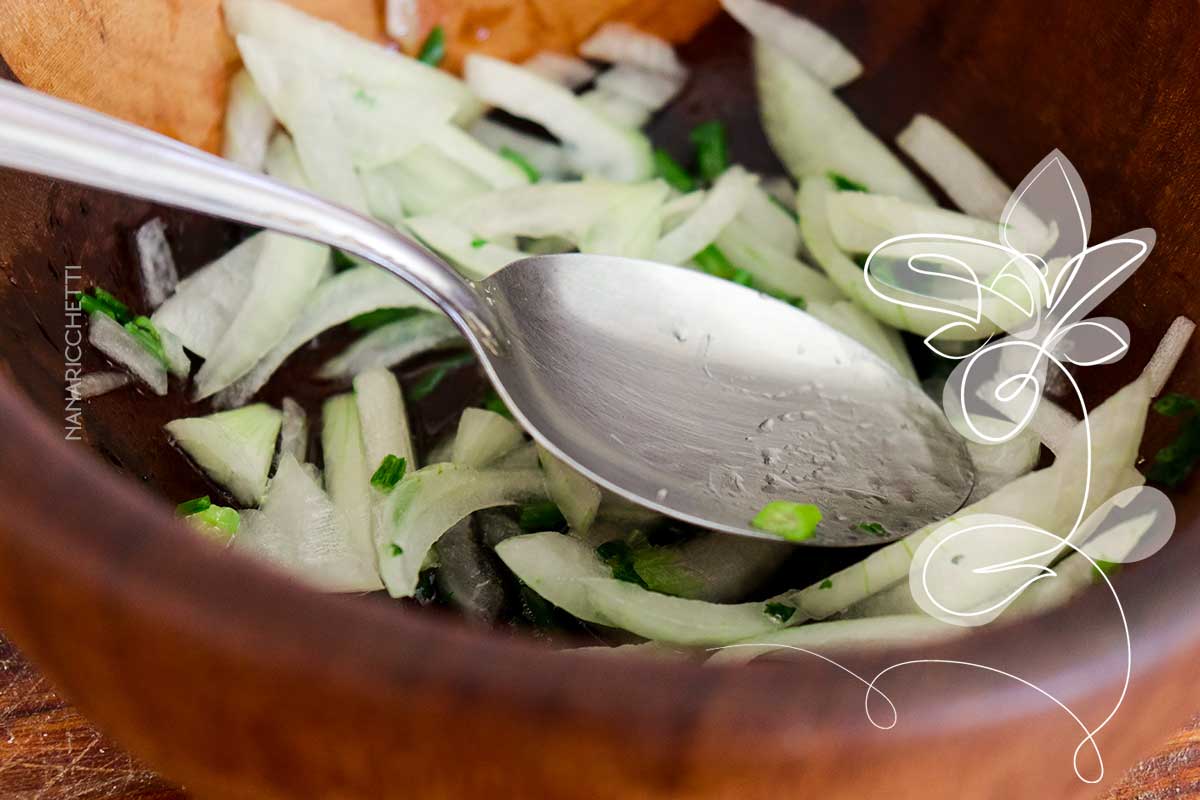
point(826, 584)
point(1175, 462)
point(494, 404)
point(364, 98)
point(425, 386)
point(671, 171)
point(635, 560)
point(873, 528)
point(541, 516)
point(397, 551)
point(219, 522)
point(1108, 568)
point(390, 472)
point(715, 262)
point(791, 212)
point(105, 303)
point(530, 170)
point(618, 555)
point(1172, 405)
point(798, 301)
point(844, 184)
point(380, 317)
point(478, 243)
point(433, 50)
point(193, 506)
point(660, 571)
point(712, 149)
point(792, 521)
point(342, 261)
point(742, 277)
point(780, 612)
point(142, 329)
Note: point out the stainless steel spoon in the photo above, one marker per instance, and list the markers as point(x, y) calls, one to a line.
point(682, 392)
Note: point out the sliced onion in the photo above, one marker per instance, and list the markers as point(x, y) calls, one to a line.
point(287, 271)
point(206, 301)
point(460, 147)
point(617, 109)
point(540, 210)
point(568, 71)
point(799, 38)
point(774, 226)
point(547, 157)
point(653, 90)
point(384, 419)
point(430, 501)
point(522, 457)
point(347, 473)
point(815, 133)
point(620, 43)
point(423, 182)
point(677, 620)
point(393, 344)
point(576, 496)
point(596, 145)
point(293, 432)
point(347, 54)
point(339, 299)
point(721, 205)
point(554, 566)
point(249, 124)
point(781, 188)
point(483, 436)
point(773, 268)
point(402, 20)
point(234, 448)
point(955, 167)
point(1167, 354)
point(159, 276)
point(301, 532)
point(95, 384)
point(823, 637)
point(630, 228)
point(456, 244)
point(107, 336)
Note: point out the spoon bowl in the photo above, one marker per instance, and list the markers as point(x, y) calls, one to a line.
point(694, 396)
point(705, 400)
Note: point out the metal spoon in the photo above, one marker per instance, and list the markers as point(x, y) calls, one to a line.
point(682, 392)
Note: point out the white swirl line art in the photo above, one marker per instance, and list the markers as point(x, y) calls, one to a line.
point(1039, 314)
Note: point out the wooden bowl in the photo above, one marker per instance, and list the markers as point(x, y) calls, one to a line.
point(241, 685)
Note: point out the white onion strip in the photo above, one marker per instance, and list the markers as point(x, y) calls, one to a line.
point(568, 71)
point(620, 43)
point(1166, 356)
point(95, 384)
point(805, 42)
point(159, 276)
point(954, 166)
point(107, 336)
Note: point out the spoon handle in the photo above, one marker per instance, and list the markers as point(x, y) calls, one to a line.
point(52, 137)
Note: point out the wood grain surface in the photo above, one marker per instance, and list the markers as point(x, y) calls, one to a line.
point(49, 751)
